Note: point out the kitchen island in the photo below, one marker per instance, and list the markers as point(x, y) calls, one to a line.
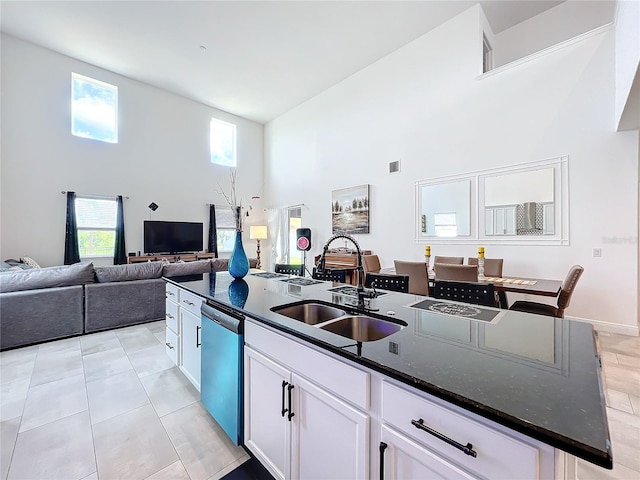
point(538, 377)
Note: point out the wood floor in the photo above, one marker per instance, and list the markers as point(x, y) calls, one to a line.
point(111, 405)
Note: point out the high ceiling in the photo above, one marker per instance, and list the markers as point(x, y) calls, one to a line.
point(255, 59)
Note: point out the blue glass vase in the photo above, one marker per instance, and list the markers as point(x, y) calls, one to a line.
point(238, 263)
point(238, 292)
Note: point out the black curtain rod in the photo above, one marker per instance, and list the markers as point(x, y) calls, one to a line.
point(96, 196)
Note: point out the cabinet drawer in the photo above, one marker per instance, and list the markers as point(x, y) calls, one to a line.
point(171, 315)
point(344, 380)
point(171, 345)
point(498, 455)
point(190, 302)
point(171, 292)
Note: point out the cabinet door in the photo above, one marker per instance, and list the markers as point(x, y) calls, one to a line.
point(330, 439)
point(267, 427)
point(190, 336)
point(405, 459)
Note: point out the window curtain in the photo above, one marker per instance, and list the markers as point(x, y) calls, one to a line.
point(120, 251)
point(213, 232)
point(71, 249)
point(277, 226)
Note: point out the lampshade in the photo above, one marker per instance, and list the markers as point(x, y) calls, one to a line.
point(257, 232)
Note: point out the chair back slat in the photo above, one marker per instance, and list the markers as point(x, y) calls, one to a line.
point(289, 269)
point(395, 283)
point(331, 275)
point(476, 293)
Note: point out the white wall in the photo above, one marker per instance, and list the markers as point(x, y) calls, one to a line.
point(425, 105)
point(162, 154)
point(558, 24)
point(627, 62)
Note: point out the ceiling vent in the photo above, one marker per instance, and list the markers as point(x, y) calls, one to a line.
point(394, 167)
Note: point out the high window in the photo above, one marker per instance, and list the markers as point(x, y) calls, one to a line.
point(222, 138)
point(96, 220)
point(225, 229)
point(94, 109)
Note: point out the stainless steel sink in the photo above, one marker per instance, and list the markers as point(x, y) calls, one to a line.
point(311, 313)
point(362, 328)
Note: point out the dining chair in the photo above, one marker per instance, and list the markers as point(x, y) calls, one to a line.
point(476, 293)
point(564, 298)
point(371, 263)
point(418, 276)
point(289, 269)
point(492, 266)
point(462, 273)
point(453, 260)
point(395, 283)
point(333, 275)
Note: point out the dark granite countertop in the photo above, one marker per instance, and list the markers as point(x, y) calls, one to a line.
point(534, 374)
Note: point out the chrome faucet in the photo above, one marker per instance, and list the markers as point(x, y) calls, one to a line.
point(362, 293)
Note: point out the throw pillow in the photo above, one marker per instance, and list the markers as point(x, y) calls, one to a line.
point(30, 261)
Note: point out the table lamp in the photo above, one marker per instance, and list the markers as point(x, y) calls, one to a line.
point(257, 233)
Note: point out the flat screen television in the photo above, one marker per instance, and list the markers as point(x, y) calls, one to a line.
point(172, 237)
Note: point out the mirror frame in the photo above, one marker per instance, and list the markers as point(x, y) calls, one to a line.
point(477, 180)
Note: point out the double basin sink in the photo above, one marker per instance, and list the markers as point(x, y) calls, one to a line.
point(361, 328)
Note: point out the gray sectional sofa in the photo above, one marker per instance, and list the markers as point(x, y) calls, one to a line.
point(50, 303)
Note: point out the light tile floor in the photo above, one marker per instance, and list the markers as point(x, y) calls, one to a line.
point(111, 405)
point(106, 406)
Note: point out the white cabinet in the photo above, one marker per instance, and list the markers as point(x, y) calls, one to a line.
point(183, 325)
point(298, 428)
point(172, 330)
point(479, 450)
point(191, 342)
point(406, 459)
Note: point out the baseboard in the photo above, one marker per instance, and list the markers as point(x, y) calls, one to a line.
point(631, 330)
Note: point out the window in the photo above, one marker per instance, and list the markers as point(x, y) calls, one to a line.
point(96, 219)
point(94, 109)
point(294, 222)
point(222, 137)
point(225, 229)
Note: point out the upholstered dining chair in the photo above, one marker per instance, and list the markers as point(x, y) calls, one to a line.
point(492, 266)
point(333, 275)
point(476, 293)
point(453, 260)
point(461, 273)
point(395, 283)
point(418, 276)
point(564, 298)
point(371, 263)
point(289, 269)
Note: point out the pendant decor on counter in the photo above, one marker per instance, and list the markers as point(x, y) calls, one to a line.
point(238, 263)
point(238, 292)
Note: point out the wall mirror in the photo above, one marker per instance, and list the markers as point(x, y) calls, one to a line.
point(524, 203)
point(444, 207)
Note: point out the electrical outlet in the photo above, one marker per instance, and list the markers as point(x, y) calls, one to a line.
point(596, 252)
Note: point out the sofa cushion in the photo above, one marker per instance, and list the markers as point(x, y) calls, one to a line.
point(219, 264)
point(186, 268)
point(62, 276)
point(125, 273)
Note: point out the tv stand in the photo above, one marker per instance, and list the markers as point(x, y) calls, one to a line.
point(172, 258)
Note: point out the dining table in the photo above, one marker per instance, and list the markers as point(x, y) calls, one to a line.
point(527, 285)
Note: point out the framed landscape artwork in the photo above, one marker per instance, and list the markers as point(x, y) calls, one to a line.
point(350, 210)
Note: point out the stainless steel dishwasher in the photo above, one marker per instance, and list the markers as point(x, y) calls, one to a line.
point(221, 371)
